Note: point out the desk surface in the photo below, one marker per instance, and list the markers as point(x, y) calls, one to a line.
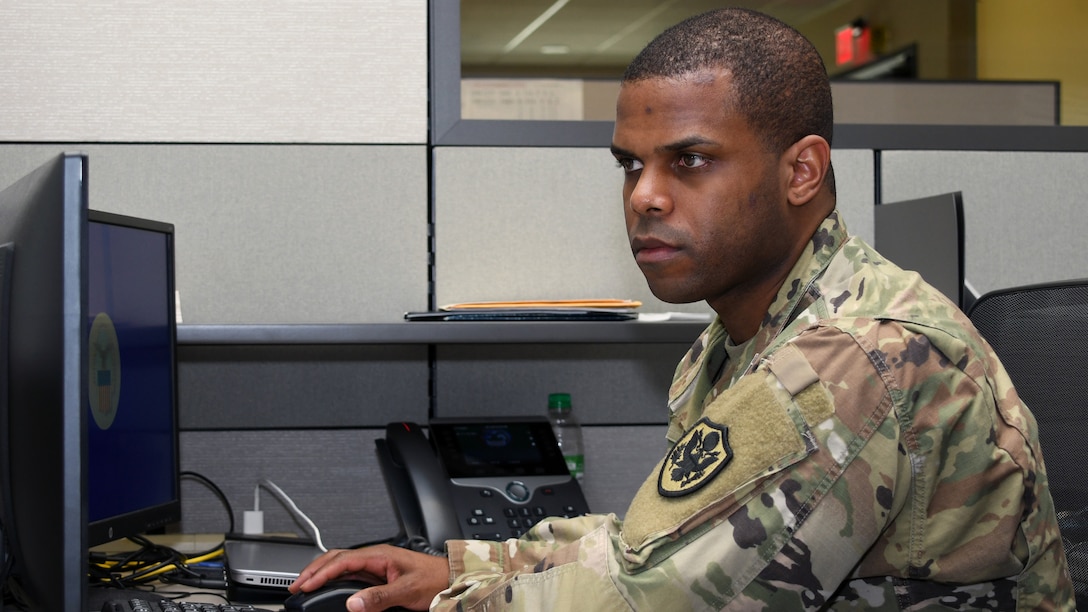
point(187, 544)
point(187, 593)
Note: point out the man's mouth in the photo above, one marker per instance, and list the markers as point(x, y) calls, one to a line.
point(652, 250)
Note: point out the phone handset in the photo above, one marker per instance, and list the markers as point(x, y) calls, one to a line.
point(418, 486)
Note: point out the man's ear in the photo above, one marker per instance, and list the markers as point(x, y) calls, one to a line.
point(809, 160)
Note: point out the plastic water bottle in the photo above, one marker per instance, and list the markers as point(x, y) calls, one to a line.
point(568, 432)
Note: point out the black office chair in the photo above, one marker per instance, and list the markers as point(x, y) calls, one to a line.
point(1040, 333)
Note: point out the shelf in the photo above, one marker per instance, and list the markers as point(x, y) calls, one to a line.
point(446, 332)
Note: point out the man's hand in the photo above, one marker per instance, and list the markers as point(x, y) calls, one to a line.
point(401, 577)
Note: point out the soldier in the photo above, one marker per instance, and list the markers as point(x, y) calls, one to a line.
point(842, 436)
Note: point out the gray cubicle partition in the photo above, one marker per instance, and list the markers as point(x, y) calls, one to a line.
point(272, 234)
point(201, 71)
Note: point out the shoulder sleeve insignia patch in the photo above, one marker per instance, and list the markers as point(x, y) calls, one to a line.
point(695, 459)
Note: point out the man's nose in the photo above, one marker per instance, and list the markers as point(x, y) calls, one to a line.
point(650, 195)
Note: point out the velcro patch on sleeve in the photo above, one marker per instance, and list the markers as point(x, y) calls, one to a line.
point(745, 434)
point(799, 379)
point(792, 369)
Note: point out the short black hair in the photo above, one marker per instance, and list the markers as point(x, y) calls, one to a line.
point(780, 84)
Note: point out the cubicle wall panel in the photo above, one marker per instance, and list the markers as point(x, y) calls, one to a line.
point(618, 461)
point(872, 102)
point(334, 478)
point(263, 387)
point(272, 234)
point(209, 71)
point(532, 223)
point(1024, 219)
point(855, 183)
point(608, 383)
point(945, 102)
point(331, 475)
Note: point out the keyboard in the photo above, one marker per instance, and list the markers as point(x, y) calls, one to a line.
point(139, 604)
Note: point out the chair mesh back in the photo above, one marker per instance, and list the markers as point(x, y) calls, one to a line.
point(1040, 333)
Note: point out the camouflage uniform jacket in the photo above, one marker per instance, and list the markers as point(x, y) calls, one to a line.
point(865, 450)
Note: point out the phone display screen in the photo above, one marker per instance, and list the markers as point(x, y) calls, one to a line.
point(497, 448)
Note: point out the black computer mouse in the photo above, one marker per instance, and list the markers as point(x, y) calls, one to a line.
point(330, 597)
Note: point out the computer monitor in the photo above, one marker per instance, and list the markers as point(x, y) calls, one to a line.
point(132, 440)
point(925, 235)
point(67, 266)
point(43, 219)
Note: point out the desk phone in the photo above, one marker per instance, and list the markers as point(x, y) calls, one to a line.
point(475, 478)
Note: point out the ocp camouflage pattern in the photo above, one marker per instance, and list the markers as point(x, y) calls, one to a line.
point(880, 460)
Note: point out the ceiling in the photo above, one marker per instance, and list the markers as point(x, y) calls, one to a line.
point(586, 37)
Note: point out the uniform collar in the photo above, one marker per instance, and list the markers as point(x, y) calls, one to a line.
point(796, 293)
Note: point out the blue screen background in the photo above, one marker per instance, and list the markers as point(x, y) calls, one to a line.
point(131, 465)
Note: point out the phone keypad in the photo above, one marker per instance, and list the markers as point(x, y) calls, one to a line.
point(488, 513)
point(518, 520)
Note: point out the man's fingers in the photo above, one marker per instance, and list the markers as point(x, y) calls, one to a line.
point(329, 566)
point(375, 598)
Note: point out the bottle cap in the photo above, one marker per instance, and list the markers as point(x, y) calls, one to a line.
point(559, 402)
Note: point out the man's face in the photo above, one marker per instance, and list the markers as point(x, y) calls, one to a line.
point(704, 201)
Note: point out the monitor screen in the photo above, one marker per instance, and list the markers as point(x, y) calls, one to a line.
point(490, 448)
point(132, 455)
point(925, 235)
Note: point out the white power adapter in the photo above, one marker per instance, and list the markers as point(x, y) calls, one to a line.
point(253, 522)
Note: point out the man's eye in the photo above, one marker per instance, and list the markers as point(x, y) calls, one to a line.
point(628, 164)
point(691, 160)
